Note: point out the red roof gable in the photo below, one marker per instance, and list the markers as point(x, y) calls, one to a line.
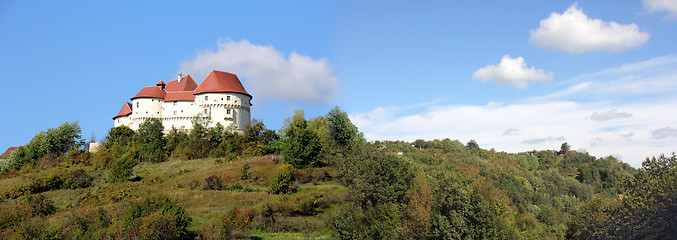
point(187, 84)
point(126, 110)
point(160, 83)
point(218, 81)
point(151, 92)
point(179, 96)
point(10, 150)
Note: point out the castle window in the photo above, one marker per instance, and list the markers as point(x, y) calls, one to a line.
point(221, 99)
point(228, 98)
point(174, 103)
point(174, 113)
point(137, 104)
point(228, 111)
point(206, 98)
point(205, 111)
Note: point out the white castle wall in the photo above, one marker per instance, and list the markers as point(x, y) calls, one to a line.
point(122, 121)
point(225, 108)
point(178, 114)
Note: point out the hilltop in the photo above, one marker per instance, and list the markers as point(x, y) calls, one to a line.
point(319, 178)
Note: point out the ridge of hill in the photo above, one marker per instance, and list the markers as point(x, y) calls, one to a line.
point(318, 178)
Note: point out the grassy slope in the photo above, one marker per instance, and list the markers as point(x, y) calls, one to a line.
point(181, 180)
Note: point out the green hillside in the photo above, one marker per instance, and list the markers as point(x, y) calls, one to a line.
point(318, 178)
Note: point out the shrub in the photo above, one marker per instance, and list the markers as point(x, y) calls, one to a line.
point(158, 226)
point(157, 216)
point(234, 222)
point(39, 205)
point(283, 180)
point(244, 171)
point(77, 179)
point(213, 183)
point(122, 169)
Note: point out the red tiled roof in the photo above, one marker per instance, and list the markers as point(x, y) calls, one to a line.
point(179, 96)
point(10, 150)
point(187, 84)
point(218, 81)
point(151, 92)
point(126, 110)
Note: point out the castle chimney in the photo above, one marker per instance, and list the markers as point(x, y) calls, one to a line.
point(179, 78)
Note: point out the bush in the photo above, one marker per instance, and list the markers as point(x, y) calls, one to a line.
point(283, 180)
point(213, 183)
point(77, 179)
point(122, 170)
point(39, 205)
point(244, 171)
point(157, 217)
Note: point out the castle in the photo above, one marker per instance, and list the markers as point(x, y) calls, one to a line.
point(220, 96)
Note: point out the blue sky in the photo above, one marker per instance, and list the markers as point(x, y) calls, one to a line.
point(514, 76)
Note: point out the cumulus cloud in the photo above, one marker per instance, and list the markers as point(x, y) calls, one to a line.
point(574, 32)
point(512, 71)
point(669, 6)
point(267, 73)
point(627, 136)
point(511, 132)
point(536, 123)
point(664, 133)
point(543, 140)
point(608, 115)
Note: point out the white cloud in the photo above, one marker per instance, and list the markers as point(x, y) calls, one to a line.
point(669, 6)
point(664, 133)
point(267, 73)
point(574, 32)
point(653, 77)
point(511, 132)
point(608, 115)
point(544, 140)
point(545, 122)
point(627, 136)
point(513, 71)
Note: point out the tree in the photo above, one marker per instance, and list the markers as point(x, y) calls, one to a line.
point(564, 148)
point(649, 208)
point(302, 146)
point(53, 143)
point(472, 144)
point(343, 131)
point(198, 141)
point(150, 141)
point(118, 136)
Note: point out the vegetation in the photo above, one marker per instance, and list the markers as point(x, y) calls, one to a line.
point(320, 179)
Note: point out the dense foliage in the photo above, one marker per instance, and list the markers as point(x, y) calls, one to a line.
point(320, 178)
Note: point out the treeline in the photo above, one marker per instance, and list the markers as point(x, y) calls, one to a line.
point(439, 189)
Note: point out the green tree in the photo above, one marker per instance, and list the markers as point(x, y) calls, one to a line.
point(343, 131)
point(302, 146)
point(198, 139)
point(53, 143)
point(150, 141)
point(649, 207)
point(283, 182)
point(118, 136)
point(564, 148)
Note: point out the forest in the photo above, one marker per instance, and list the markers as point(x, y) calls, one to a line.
point(318, 178)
